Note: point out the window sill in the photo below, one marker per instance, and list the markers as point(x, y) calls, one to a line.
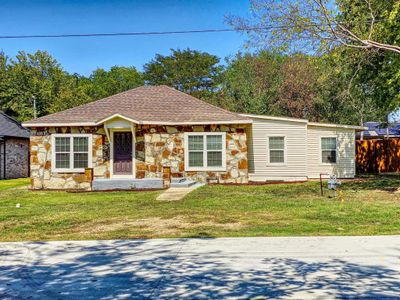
point(68, 170)
point(222, 169)
point(277, 164)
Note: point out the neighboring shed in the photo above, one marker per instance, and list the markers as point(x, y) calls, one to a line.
point(14, 148)
point(295, 149)
point(379, 131)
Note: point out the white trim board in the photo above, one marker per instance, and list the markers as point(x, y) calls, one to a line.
point(285, 150)
point(204, 168)
point(71, 152)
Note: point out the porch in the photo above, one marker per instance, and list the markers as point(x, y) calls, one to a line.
point(105, 184)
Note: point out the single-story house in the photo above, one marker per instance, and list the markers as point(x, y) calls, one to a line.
point(149, 134)
point(14, 148)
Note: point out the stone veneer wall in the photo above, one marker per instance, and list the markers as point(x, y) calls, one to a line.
point(17, 158)
point(156, 147)
point(160, 146)
point(40, 146)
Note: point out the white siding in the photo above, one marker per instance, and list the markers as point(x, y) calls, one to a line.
point(345, 165)
point(295, 167)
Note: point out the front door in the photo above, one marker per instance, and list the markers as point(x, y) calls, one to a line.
point(122, 153)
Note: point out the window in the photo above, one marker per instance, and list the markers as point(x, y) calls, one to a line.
point(204, 151)
point(276, 148)
point(71, 152)
point(328, 150)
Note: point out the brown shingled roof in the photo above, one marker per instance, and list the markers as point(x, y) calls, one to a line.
point(144, 105)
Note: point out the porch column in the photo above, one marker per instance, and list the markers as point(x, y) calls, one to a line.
point(133, 129)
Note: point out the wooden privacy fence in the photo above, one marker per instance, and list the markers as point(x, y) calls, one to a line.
point(378, 156)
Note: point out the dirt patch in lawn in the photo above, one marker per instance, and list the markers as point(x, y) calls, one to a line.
point(156, 226)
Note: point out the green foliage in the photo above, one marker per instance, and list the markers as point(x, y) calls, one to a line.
point(355, 50)
point(193, 72)
point(272, 83)
point(251, 82)
point(118, 79)
point(27, 76)
point(39, 76)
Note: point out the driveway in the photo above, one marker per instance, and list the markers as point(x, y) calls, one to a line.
point(236, 268)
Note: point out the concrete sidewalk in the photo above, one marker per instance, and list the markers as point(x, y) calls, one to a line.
point(231, 268)
point(178, 193)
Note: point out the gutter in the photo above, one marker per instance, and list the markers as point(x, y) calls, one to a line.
point(30, 125)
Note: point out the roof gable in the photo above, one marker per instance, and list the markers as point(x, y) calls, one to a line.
point(144, 105)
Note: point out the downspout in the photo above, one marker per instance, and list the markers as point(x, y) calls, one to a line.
point(4, 158)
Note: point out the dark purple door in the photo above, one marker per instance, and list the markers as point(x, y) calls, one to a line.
point(122, 153)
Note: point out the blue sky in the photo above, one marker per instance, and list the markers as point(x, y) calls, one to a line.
point(82, 55)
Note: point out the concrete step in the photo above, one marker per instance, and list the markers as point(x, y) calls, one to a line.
point(182, 182)
point(178, 180)
point(127, 184)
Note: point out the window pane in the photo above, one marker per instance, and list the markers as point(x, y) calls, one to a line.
point(329, 156)
point(195, 142)
point(195, 159)
point(277, 143)
point(62, 144)
point(81, 144)
point(276, 156)
point(214, 159)
point(62, 160)
point(80, 160)
point(214, 142)
point(328, 143)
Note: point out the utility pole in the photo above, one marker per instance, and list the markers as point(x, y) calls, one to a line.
point(34, 107)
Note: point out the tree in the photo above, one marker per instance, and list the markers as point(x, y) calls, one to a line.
point(297, 93)
point(359, 24)
point(190, 71)
point(117, 80)
point(37, 76)
point(31, 76)
point(345, 97)
point(251, 82)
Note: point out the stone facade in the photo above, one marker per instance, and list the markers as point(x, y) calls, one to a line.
point(40, 146)
point(163, 146)
point(16, 158)
point(156, 147)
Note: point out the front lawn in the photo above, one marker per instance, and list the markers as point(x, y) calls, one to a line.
point(371, 207)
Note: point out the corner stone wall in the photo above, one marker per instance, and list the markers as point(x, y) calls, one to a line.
point(17, 158)
point(40, 160)
point(163, 146)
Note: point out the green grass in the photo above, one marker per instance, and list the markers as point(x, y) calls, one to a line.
point(13, 183)
point(371, 207)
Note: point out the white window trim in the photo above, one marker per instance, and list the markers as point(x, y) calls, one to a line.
point(206, 168)
point(71, 153)
point(269, 163)
point(320, 150)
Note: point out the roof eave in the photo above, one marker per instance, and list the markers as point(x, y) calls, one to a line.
point(352, 127)
point(71, 124)
point(264, 117)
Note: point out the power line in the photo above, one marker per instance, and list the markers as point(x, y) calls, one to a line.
point(124, 33)
point(111, 34)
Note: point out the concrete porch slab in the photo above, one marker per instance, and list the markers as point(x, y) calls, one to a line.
point(127, 184)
